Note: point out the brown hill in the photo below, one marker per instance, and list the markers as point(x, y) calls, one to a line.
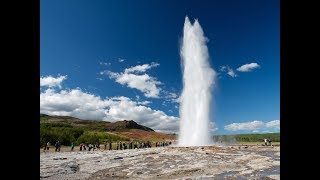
point(126, 128)
point(144, 135)
point(125, 125)
point(92, 124)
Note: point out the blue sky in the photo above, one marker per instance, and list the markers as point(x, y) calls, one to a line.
point(90, 52)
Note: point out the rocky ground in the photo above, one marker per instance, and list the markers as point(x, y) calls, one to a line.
point(210, 162)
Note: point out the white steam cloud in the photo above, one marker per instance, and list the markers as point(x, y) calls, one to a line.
point(198, 79)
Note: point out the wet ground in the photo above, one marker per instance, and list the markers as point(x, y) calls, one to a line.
point(210, 162)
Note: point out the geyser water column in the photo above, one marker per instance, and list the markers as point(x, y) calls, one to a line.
point(198, 79)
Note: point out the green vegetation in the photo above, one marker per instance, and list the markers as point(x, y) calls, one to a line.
point(56, 124)
point(44, 118)
point(68, 129)
point(94, 136)
point(66, 133)
point(275, 137)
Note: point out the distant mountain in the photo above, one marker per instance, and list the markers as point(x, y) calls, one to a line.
point(124, 125)
point(69, 121)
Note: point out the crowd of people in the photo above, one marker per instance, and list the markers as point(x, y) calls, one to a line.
point(57, 146)
point(108, 145)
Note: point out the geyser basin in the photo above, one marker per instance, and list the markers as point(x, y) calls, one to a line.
point(198, 79)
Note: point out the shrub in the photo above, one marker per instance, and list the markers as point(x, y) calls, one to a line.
point(62, 132)
point(94, 136)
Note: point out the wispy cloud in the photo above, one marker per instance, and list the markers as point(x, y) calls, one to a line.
point(228, 70)
point(51, 81)
point(171, 97)
point(231, 73)
point(248, 67)
point(132, 78)
point(254, 126)
point(213, 127)
point(120, 60)
point(144, 102)
point(105, 72)
point(141, 68)
point(105, 63)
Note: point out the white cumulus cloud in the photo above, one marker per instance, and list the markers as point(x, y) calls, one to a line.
point(142, 82)
point(88, 106)
point(50, 81)
point(273, 124)
point(248, 67)
point(254, 126)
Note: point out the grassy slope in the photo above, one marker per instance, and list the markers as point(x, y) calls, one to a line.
point(69, 129)
point(145, 135)
point(275, 137)
point(74, 122)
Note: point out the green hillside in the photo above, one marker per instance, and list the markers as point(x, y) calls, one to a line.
point(68, 129)
point(275, 137)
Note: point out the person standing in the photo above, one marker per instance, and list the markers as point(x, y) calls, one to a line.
point(56, 146)
point(110, 145)
point(265, 142)
point(72, 146)
point(48, 145)
point(105, 145)
point(45, 147)
point(98, 145)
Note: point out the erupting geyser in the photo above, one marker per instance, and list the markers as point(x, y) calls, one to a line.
point(198, 79)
